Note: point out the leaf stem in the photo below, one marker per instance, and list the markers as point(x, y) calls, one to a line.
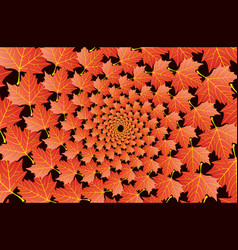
point(57, 171)
point(201, 167)
point(30, 111)
point(178, 124)
point(213, 121)
point(205, 198)
point(171, 69)
point(233, 148)
point(64, 117)
point(19, 197)
point(64, 147)
point(32, 161)
point(18, 77)
point(92, 49)
point(233, 88)
point(169, 198)
point(83, 199)
point(53, 202)
point(142, 191)
point(200, 74)
point(116, 63)
point(54, 70)
point(123, 179)
point(82, 72)
point(191, 104)
point(172, 174)
point(148, 72)
point(3, 137)
point(107, 191)
point(47, 133)
point(135, 48)
point(170, 94)
point(191, 141)
point(103, 78)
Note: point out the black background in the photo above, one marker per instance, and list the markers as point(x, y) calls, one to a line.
point(118, 24)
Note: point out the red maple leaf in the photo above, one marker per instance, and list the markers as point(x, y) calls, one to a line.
point(161, 95)
point(193, 156)
point(73, 148)
point(88, 154)
point(91, 60)
point(161, 73)
point(128, 59)
point(59, 83)
point(23, 59)
point(216, 86)
point(170, 120)
point(125, 84)
point(3, 74)
point(180, 102)
point(140, 77)
point(198, 186)
point(109, 51)
point(165, 146)
point(102, 86)
point(10, 174)
point(57, 137)
point(39, 191)
point(149, 164)
point(95, 191)
point(81, 134)
point(201, 116)
point(82, 100)
point(216, 56)
point(114, 183)
point(130, 195)
point(83, 82)
point(220, 140)
point(41, 119)
point(143, 181)
point(112, 72)
point(45, 161)
point(169, 164)
point(71, 193)
point(71, 122)
point(19, 143)
point(61, 56)
point(127, 172)
point(166, 187)
point(145, 94)
point(230, 113)
point(68, 170)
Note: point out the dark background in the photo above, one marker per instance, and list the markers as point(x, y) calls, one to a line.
point(119, 24)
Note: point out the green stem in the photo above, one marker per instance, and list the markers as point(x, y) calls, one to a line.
point(172, 174)
point(233, 88)
point(92, 49)
point(123, 179)
point(19, 197)
point(234, 150)
point(83, 199)
point(164, 113)
point(47, 133)
point(57, 171)
point(191, 142)
point(30, 111)
point(169, 198)
point(31, 159)
point(148, 72)
point(64, 117)
point(170, 152)
point(205, 198)
point(142, 191)
point(57, 97)
point(213, 121)
point(116, 63)
point(201, 167)
point(191, 104)
point(107, 191)
point(171, 69)
point(53, 202)
point(200, 74)
point(3, 137)
point(18, 77)
point(170, 94)
point(104, 78)
point(64, 147)
point(54, 70)
point(135, 48)
point(82, 71)
point(178, 124)
point(79, 174)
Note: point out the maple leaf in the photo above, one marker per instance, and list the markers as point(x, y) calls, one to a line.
point(29, 92)
point(150, 150)
point(130, 195)
point(9, 113)
point(186, 75)
point(91, 60)
point(82, 100)
point(193, 156)
point(161, 95)
point(216, 56)
point(128, 59)
point(63, 105)
point(83, 82)
point(81, 134)
point(88, 171)
point(140, 77)
point(183, 135)
point(3, 74)
point(230, 113)
point(125, 84)
point(112, 72)
point(68, 170)
point(198, 186)
point(71, 122)
point(149, 164)
point(145, 94)
point(169, 164)
point(45, 161)
point(102, 86)
point(159, 133)
point(220, 140)
point(170, 120)
point(95, 191)
point(10, 174)
point(201, 116)
point(152, 54)
point(114, 183)
point(166, 187)
point(41, 119)
point(180, 102)
point(56, 138)
point(39, 191)
point(73, 149)
point(179, 54)
point(61, 56)
point(19, 143)
point(161, 73)
point(109, 51)
point(22, 59)
point(226, 173)
point(143, 181)
point(59, 83)
point(127, 172)
point(88, 154)
point(165, 146)
point(216, 86)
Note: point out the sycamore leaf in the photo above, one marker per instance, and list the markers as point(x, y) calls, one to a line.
point(145, 94)
point(10, 174)
point(19, 143)
point(39, 191)
point(149, 164)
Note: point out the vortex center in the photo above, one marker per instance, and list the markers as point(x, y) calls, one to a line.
point(120, 128)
